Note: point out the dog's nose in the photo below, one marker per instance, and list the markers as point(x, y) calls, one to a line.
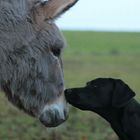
point(68, 91)
point(70, 95)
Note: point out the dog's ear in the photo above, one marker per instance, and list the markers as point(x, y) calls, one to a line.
point(50, 9)
point(122, 94)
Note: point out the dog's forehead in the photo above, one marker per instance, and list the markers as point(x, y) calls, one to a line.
point(91, 83)
point(95, 82)
point(99, 82)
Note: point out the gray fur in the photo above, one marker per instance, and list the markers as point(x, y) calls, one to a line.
point(30, 74)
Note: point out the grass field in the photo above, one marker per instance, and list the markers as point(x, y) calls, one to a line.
point(88, 56)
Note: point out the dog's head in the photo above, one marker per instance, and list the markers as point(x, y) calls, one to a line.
point(100, 93)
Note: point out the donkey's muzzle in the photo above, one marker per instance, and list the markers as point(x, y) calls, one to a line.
point(55, 113)
point(53, 118)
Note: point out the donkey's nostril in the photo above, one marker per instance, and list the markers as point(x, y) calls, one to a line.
point(60, 88)
point(66, 114)
point(47, 118)
point(61, 85)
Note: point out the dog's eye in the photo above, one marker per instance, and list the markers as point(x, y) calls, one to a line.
point(91, 85)
point(88, 83)
point(56, 51)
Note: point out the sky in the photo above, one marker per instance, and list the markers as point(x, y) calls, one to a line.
point(102, 15)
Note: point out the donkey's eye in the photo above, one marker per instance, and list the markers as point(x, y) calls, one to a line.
point(43, 2)
point(56, 51)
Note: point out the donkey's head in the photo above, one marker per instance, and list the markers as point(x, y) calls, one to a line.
point(30, 57)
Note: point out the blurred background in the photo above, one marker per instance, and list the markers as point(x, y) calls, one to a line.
point(103, 41)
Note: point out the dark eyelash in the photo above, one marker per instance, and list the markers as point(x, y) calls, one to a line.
point(43, 2)
point(56, 51)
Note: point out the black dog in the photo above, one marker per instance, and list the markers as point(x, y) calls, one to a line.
point(113, 100)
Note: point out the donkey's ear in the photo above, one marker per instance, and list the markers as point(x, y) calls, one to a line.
point(56, 7)
point(50, 9)
point(122, 94)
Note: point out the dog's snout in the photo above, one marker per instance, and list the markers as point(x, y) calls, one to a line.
point(71, 95)
point(68, 91)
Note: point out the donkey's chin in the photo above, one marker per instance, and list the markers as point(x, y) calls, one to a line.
point(55, 113)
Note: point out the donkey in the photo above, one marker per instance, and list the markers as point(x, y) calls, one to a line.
point(31, 71)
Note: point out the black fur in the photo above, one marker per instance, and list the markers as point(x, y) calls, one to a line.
point(113, 100)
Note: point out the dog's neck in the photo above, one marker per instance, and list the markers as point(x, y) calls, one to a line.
point(112, 115)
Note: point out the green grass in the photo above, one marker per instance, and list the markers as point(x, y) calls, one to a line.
point(89, 55)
